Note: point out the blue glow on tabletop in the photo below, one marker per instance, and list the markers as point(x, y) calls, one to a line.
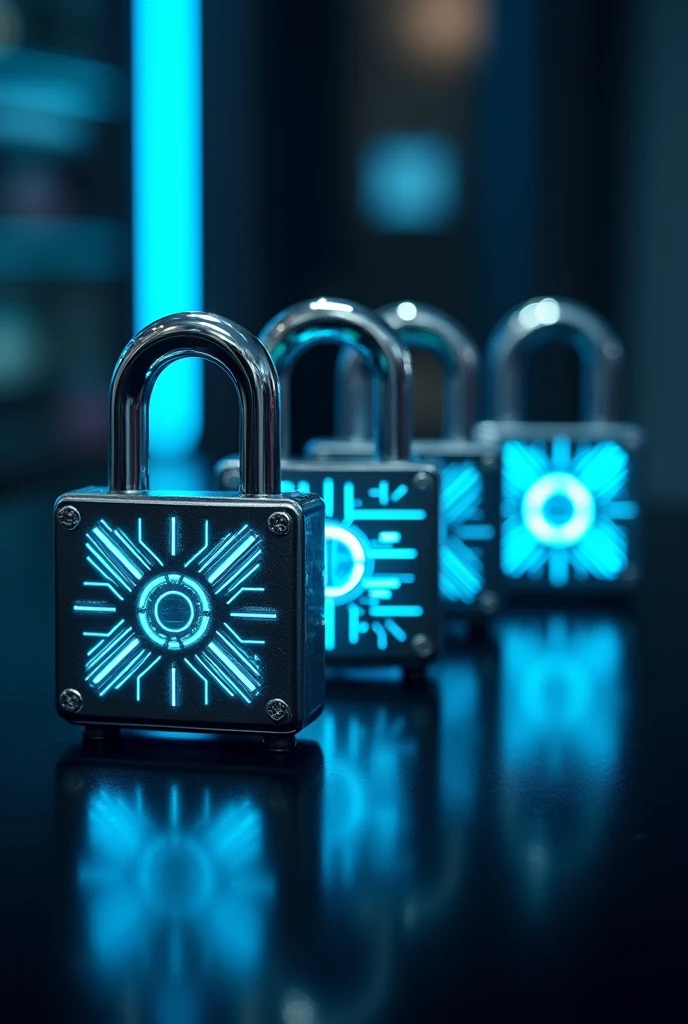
point(167, 199)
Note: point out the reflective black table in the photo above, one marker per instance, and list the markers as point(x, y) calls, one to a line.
point(508, 840)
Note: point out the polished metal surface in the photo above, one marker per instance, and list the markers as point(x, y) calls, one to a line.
point(390, 359)
point(221, 342)
point(538, 322)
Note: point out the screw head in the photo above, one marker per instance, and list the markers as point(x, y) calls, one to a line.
point(71, 701)
point(488, 602)
point(278, 710)
point(279, 523)
point(422, 481)
point(69, 517)
point(422, 646)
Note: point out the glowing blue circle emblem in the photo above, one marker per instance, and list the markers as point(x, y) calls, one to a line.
point(558, 509)
point(345, 562)
point(173, 611)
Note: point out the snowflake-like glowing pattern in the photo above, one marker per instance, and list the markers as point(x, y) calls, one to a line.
point(167, 886)
point(180, 615)
point(358, 545)
point(564, 510)
point(464, 533)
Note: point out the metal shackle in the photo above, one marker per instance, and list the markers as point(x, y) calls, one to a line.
point(227, 345)
point(427, 328)
point(540, 321)
point(288, 336)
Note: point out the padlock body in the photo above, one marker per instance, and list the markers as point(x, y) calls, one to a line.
point(570, 512)
point(469, 578)
point(190, 612)
point(381, 604)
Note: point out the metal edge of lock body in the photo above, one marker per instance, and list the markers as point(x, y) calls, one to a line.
point(538, 322)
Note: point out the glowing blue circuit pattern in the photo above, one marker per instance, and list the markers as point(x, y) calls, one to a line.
point(463, 533)
point(359, 544)
point(367, 827)
point(179, 616)
point(565, 510)
point(167, 886)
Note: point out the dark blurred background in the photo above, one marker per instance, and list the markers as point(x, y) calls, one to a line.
point(467, 153)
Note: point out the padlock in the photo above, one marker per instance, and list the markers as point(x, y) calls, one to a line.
point(381, 512)
point(191, 611)
point(569, 491)
point(469, 481)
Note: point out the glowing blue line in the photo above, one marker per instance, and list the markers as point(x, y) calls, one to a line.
point(399, 492)
point(230, 687)
point(348, 500)
point(174, 804)
point(237, 553)
point(142, 674)
point(232, 581)
point(328, 496)
point(404, 554)
point(381, 634)
point(399, 515)
point(201, 677)
point(330, 624)
point(110, 665)
point(476, 531)
point(201, 549)
point(117, 552)
point(233, 667)
point(167, 200)
point(389, 537)
point(395, 630)
point(399, 611)
point(173, 535)
point(104, 636)
point(106, 568)
point(173, 685)
point(354, 620)
point(106, 608)
point(381, 595)
point(121, 536)
point(253, 615)
point(116, 644)
point(245, 590)
point(127, 672)
point(144, 545)
point(101, 583)
point(222, 544)
point(237, 652)
point(241, 639)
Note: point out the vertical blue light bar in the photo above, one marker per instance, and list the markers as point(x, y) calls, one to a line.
point(167, 200)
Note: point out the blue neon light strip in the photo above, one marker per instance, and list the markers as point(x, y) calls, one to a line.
point(167, 200)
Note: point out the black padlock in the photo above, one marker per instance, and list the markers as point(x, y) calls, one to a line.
point(570, 509)
point(381, 512)
point(191, 611)
point(469, 469)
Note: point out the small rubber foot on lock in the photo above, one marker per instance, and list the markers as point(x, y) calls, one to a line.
point(101, 733)
point(279, 743)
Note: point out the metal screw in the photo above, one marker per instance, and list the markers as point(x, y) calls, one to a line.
point(422, 645)
point(489, 602)
point(278, 710)
point(69, 517)
point(71, 701)
point(488, 462)
point(422, 481)
point(279, 523)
